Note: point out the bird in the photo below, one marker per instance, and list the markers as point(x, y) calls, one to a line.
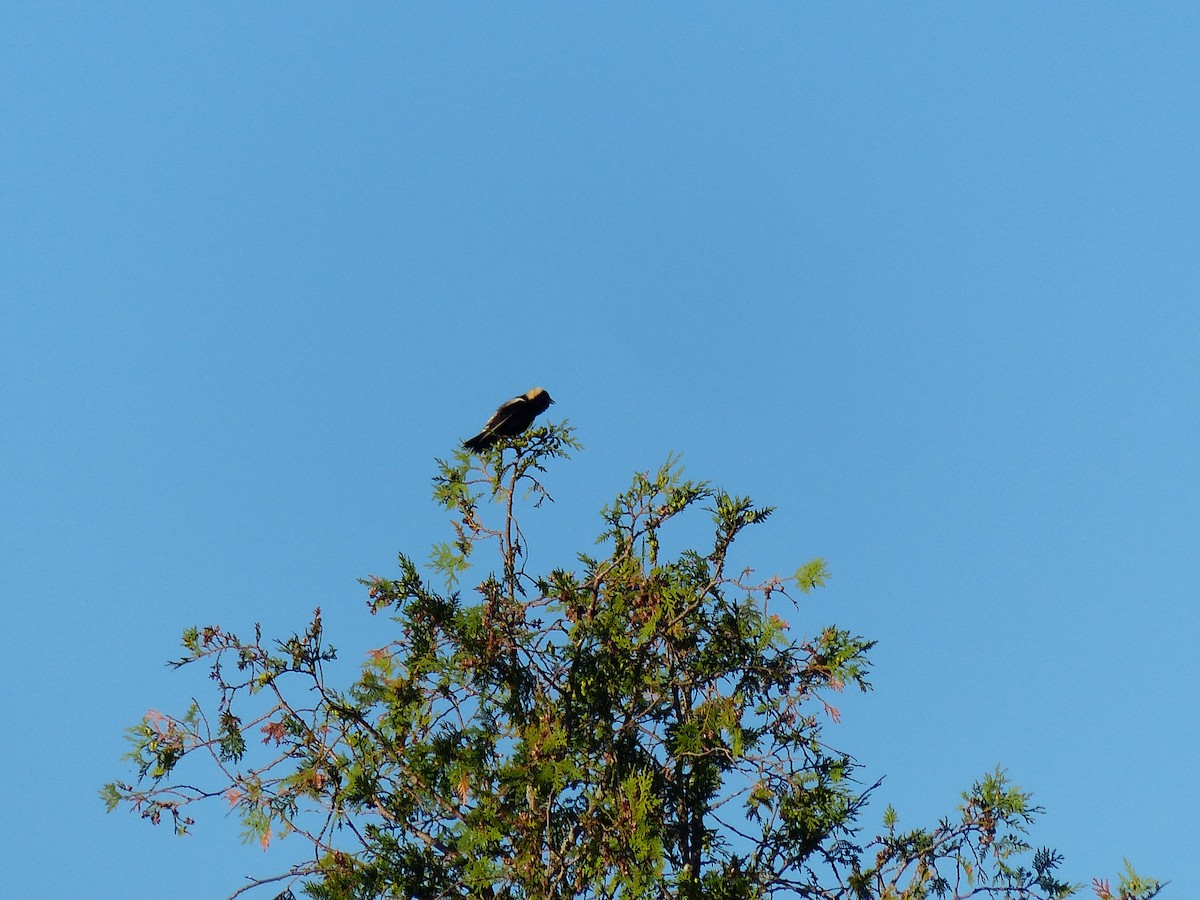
point(512, 418)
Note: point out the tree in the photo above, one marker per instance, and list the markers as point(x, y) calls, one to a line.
point(636, 726)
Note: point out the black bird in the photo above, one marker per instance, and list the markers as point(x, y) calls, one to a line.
point(511, 419)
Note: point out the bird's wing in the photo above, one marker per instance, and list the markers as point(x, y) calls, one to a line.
point(504, 413)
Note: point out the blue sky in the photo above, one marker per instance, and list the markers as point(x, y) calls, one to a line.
point(921, 275)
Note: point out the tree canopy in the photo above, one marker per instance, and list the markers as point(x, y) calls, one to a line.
point(633, 724)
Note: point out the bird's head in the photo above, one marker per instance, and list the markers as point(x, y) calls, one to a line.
point(539, 395)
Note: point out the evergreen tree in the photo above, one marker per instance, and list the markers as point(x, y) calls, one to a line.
point(630, 726)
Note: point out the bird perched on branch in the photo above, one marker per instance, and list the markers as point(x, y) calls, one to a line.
point(511, 419)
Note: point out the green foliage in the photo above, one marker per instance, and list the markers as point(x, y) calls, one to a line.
point(813, 574)
point(1130, 886)
point(635, 726)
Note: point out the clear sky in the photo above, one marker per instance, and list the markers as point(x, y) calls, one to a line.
point(922, 275)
